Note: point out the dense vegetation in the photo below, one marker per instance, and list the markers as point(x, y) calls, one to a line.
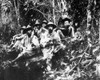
point(77, 62)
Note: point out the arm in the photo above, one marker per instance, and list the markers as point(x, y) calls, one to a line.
point(72, 32)
point(20, 37)
point(61, 34)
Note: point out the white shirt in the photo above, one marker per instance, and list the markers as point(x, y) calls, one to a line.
point(44, 37)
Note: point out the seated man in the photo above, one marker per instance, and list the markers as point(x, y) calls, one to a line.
point(46, 41)
point(27, 45)
point(58, 38)
point(17, 40)
point(67, 29)
point(23, 31)
point(35, 40)
point(43, 35)
point(43, 25)
point(37, 26)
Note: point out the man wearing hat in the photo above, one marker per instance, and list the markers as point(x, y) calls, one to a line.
point(44, 23)
point(29, 30)
point(43, 29)
point(22, 30)
point(37, 26)
point(57, 39)
point(46, 42)
point(77, 35)
point(50, 26)
point(46, 34)
point(43, 33)
point(18, 39)
point(67, 30)
point(27, 45)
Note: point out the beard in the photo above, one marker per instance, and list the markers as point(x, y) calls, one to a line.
point(50, 30)
point(67, 25)
point(29, 34)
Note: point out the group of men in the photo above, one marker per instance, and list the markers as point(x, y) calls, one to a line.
point(45, 36)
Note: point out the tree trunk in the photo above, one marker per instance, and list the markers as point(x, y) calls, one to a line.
point(99, 31)
point(53, 2)
point(88, 15)
point(17, 12)
point(98, 56)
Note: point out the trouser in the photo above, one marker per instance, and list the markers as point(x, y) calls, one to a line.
point(25, 53)
point(18, 45)
point(48, 52)
point(58, 47)
point(47, 55)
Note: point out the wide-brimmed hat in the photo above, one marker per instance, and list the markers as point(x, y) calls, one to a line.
point(28, 27)
point(23, 28)
point(37, 23)
point(44, 22)
point(65, 18)
point(51, 24)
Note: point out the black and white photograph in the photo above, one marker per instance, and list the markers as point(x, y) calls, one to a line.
point(49, 39)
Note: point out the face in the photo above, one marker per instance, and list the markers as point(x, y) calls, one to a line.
point(66, 23)
point(35, 29)
point(33, 32)
point(38, 27)
point(43, 25)
point(50, 28)
point(22, 31)
point(61, 25)
point(29, 31)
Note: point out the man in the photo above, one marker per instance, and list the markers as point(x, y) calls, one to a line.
point(67, 29)
point(35, 40)
point(37, 26)
point(43, 29)
point(17, 40)
point(27, 45)
point(46, 41)
point(60, 22)
point(58, 38)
